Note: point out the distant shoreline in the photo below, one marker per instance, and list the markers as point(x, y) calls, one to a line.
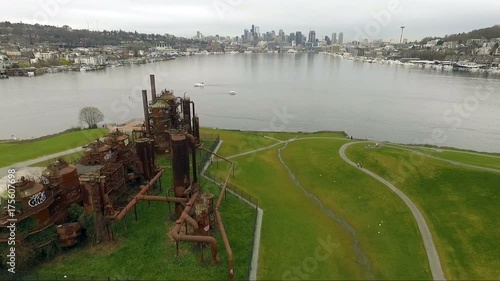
point(436, 65)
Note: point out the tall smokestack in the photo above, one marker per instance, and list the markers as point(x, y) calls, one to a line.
point(146, 111)
point(153, 87)
point(193, 161)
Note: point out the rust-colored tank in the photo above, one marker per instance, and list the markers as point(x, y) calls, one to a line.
point(36, 200)
point(208, 199)
point(160, 124)
point(145, 153)
point(69, 233)
point(152, 157)
point(180, 167)
point(96, 153)
point(180, 160)
point(117, 138)
point(186, 114)
point(196, 129)
point(95, 197)
point(63, 180)
point(202, 218)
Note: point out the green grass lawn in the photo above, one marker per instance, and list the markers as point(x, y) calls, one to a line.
point(147, 251)
point(236, 142)
point(70, 158)
point(394, 247)
point(341, 135)
point(471, 158)
point(292, 225)
point(397, 252)
point(17, 152)
point(460, 206)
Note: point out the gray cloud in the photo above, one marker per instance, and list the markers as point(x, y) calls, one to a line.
point(229, 17)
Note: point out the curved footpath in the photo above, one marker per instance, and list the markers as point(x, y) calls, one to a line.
point(432, 255)
point(430, 248)
point(362, 259)
point(451, 161)
point(19, 165)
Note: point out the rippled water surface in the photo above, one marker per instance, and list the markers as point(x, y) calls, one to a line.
point(288, 92)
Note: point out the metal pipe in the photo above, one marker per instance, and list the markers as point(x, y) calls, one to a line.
point(216, 155)
point(161, 199)
point(153, 87)
point(144, 189)
point(195, 130)
point(190, 220)
point(146, 111)
point(194, 112)
point(226, 244)
point(221, 226)
point(193, 238)
point(193, 157)
point(219, 217)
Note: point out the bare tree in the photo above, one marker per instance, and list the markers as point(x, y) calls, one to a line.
point(91, 115)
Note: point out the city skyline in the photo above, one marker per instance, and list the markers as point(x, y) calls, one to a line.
point(226, 18)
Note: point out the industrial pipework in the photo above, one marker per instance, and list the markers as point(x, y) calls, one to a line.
point(219, 217)
point(192, 238)
point(193, 157)
point(144, 189)
point(146, 112)
point(153, 88)
point(141, 197)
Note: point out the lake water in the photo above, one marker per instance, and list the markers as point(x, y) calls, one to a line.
point(279, 92)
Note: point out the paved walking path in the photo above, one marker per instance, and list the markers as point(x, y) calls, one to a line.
point(430, 248)
point(361, 258)
point(278, 143)
point(3, 170)
point(432, 255)
point(451, 161)
point(437, 149)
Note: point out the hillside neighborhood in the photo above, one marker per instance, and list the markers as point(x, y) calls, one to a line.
point(46, 49)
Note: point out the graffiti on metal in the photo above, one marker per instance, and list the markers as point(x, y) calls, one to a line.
point(37, 199)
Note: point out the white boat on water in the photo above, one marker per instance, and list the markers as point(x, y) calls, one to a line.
point(199, 85)
point(232, 93)
point(85, 68)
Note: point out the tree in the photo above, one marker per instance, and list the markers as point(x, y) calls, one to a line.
point(91, 115)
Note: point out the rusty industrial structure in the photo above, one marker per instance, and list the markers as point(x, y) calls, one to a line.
point(45, 202)
point(118, 171)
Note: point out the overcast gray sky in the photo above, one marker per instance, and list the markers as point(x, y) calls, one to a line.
point(356, 18)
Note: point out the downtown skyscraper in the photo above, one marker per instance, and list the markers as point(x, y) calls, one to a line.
point(334, 38)
point(298, 38)
point(312, 36)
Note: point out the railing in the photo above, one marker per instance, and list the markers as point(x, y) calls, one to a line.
point(239, 193)
point(234, 189)
point(212, 141)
